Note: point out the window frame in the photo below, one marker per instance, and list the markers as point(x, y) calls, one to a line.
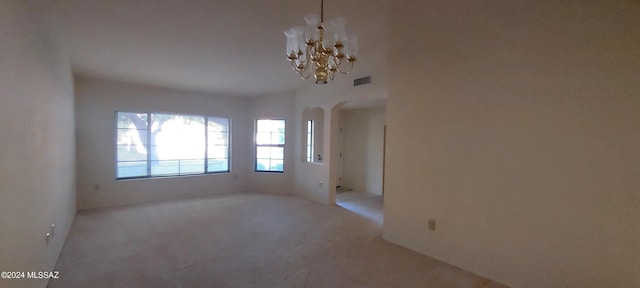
point(310, 147)
point(255, 158)
point(148, 160)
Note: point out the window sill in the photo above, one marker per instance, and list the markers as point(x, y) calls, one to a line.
point(172, 176)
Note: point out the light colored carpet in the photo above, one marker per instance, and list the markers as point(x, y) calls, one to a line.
point(364, 204)
point(242, 240)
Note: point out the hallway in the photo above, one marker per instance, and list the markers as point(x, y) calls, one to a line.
point(363, 204)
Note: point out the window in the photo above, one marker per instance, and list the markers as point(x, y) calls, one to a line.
point(311, 135)
point(269, 145)
point(159, 144)
point(310, 140)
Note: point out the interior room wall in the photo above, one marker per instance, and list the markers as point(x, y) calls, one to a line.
point(96, 103)
point(37, 166)
point(363, 149)
point(279, 106)
point(516, 127)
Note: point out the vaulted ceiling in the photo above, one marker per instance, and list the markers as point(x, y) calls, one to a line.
point(230, 47)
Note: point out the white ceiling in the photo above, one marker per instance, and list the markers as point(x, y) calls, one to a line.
point(231, 47)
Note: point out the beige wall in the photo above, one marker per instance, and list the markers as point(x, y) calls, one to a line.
point(363, 147)
point(279, 106)
point(516, 126)
point(37, 181)
point(96, 103)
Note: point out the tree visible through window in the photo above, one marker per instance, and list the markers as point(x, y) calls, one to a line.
point(157, 144)
point(270, 145)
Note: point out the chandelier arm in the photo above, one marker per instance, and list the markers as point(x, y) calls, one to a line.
point(304, 62)
point(307, 55)
point(301, 73)
point(294, 66)
point(336, 61)
point(343, 71)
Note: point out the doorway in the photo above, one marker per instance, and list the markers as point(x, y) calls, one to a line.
point(359, 145)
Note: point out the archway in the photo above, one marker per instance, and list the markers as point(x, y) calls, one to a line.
point(357, 156)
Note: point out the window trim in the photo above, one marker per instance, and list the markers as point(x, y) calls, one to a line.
point(255, 141)
point(310, 147)
point(148, 160)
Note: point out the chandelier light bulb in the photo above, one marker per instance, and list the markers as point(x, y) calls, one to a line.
point(292, 41)
point(311, 30)
point(351, 46)
point(338, 33)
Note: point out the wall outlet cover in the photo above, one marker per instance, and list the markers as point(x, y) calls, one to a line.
point(432, 225)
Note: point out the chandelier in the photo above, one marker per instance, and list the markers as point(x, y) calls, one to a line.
point(324, 46)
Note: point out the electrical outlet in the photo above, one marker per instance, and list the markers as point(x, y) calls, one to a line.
point(432, 225)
